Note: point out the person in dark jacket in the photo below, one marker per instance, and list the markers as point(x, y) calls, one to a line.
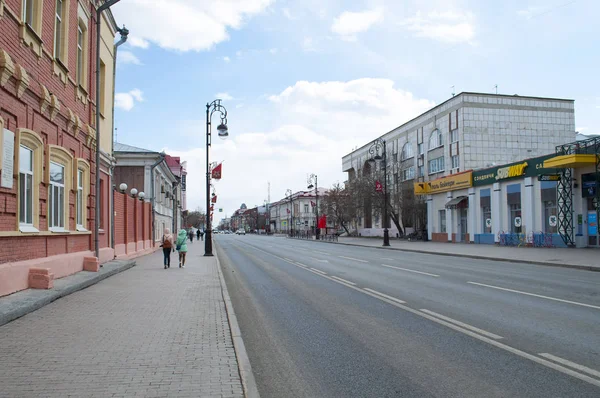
point(198, 234)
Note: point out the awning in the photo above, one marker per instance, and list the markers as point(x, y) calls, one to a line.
point(453, 203)
point(570, 161)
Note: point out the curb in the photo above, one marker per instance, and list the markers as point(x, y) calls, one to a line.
point(27, 301)
point(473, 256)
point(248, 380)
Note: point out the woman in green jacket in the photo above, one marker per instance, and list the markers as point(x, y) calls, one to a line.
point(181, 246)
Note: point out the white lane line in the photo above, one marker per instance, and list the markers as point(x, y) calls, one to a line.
point(316, 251)
point(571, 364)
point(343, 280)
point(287, 259)
point(464, 325)
point(387, 258)
point(536, 295)
point(300, 264)
point(355, 259)
point(384, 295)
point(410, 270)
point(395, 302)
point(319, 271)
point(320, 260)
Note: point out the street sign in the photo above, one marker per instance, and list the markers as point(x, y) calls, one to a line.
point(518, 222)
point(549, 177)
point(553, 221)
point(488, 222)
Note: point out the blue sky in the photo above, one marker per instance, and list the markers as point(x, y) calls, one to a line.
point(306, 81)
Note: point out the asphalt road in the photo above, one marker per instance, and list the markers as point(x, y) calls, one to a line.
point(326, 320)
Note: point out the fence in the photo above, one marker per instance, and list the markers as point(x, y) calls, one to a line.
point(310, 236)
point(532, 239)
point(133, 226)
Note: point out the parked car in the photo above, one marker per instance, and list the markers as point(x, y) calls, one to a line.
point(241, 232)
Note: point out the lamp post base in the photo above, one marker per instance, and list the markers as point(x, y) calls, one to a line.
point(386, 237)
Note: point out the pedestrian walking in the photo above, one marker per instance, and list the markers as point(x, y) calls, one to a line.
point(191, 235)
point(198, 234)
point(167, 246)
point(181, 246)
point(201, 235)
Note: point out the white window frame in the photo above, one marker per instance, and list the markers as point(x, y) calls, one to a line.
point(80, 54)
point(28, 174)
point(439, 137)
point(454, 135)
point(442, 221)
point(29, 12)
point(455, 161)
point(52, 221)
point(420, 171)
point(58, 29)
point(420, 148)
point(306, 210)
point(407, 151)
point(408, 173)
point(79, 199)
point(439, 164)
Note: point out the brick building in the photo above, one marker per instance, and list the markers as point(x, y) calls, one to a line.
point(47, 120)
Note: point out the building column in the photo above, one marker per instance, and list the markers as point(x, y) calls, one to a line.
point(528, 213)
point(496, 211)
point(430, 215)
point(449, 224)
point(472, 215)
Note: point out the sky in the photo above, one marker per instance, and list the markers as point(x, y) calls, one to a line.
point(306, 81)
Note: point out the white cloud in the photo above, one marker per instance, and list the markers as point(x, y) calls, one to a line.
point(273, 51)
point(185, 25)
point(224, 96)
point(348, 24)
point(287, 13)
point(127, 57)
point(308, 44)
point(226, 59)
point(138, 42)
point(448, 26)
point(126, 101)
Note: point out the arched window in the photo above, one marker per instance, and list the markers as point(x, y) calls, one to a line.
point(436, 139)
point(29, 158)
point(407, 151)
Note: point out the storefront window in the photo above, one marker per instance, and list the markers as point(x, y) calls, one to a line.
point(549, 205)
point(513, 196)
point(442, 220)
point(486, 210)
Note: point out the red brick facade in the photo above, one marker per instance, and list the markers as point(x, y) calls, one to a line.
point(133, 225)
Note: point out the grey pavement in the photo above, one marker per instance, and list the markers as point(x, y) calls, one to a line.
point(585, 258)
point(145, 332)
point(336, 320)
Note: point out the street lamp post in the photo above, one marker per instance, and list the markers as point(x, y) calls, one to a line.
point(375, 149)
point(211, 108)
point(316, 185)
point(290, 228)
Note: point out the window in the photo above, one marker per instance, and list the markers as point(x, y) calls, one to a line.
point(80, 47)
point(408, 174)
point(79, 203)
point(486, 210)
point(420, 171)
point(395, 158)
point(548, 189)
point(455, 162)
point(306, 208)
point(56, 196)
point(25, 186)
point(454, 135)
point(513, 196)
point(28, 12)
point(442, 216)
point(436, 139)
point(102, 87)
point(436, 165)
point(407, 151)
point(420, 148)
point(60, 26)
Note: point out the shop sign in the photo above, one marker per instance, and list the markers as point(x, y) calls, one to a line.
point(444, 184)
point(488, 223)
point(549, 177)
point(526, 168)
point(553, 221)
point(518, 222)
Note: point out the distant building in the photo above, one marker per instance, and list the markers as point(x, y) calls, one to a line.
point(296, 212)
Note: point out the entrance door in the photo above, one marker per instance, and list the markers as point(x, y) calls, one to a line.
point(592, 224)
point(463, 224)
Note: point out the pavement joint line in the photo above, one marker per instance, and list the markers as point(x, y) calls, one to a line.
point(355, 259)
point(571, 364)
point(472, 256)
point(244, 367)
point(343, 280)
point(384, 295)
point(462, 324)
point(457, 328)
point(536, 295)
point(319, 271)
point(410, 270)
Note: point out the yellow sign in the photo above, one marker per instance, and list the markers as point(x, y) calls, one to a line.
point(511, 171)
point(444, 184)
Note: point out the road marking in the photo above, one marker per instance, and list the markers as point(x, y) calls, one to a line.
point(316, 251)
point(319, 271)
point(464, 325)
point(355, 259)
point(536, 295)
point(579, 280)
point(320, 260)
point(571, 364)
point(287, 259)
point(395, 302)
point(343, 280)
point(300, 264)
point(387, 258)
point(410, 270)
point(384, 295)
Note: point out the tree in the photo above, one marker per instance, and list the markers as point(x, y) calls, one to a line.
point(196, 218)
point(338, 205)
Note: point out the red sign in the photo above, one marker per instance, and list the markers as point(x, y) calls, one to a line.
point(322, 222)
point(217, 171)
point(378, 186)
point(313, 204)
point(214, 199)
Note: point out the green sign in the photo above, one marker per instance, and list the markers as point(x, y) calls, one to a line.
point(524, 168)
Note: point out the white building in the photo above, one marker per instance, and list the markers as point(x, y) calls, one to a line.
point(468, 131)
point(297, 212)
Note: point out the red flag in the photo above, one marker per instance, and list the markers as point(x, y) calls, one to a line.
point(217, 171)
point(214, 199)
point(313, 204)
point(288, 210)
point(378, 186)
point(322, 221)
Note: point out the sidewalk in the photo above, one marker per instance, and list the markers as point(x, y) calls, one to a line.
point(588, 259)
point(144, 332)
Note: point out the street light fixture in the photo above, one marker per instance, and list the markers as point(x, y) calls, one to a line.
point(223, 132)
point(311, 178)
point(378, 152)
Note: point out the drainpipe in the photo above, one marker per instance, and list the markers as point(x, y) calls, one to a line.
point(123, 32)
point(159, 161)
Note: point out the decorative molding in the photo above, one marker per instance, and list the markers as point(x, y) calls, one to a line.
point(2, 5)
point(70, 120)
point(54, 107)
point(22, 80)
point(31, 39)
point(7, 68)
point(91, 135)
point(77, 126)
point(44, 99)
